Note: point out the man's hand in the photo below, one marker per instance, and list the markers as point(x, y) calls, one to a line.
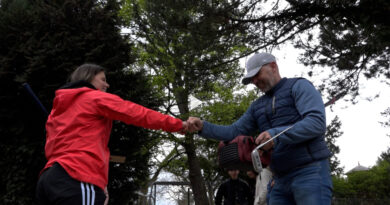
point(263, 137)
point(194, 124)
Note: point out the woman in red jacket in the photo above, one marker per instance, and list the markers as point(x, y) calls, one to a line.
point(78, 130)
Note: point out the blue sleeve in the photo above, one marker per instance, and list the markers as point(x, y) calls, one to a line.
point(310, 106)
point(243, 126)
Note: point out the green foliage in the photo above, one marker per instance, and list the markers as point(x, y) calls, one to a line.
point(370, 184)
point(385, 156)
point(333, 131)
point(41, 42)
point(373, 183)
point(341, 187)
point(185, 43)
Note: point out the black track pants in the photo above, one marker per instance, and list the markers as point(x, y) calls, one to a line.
point(55, 186)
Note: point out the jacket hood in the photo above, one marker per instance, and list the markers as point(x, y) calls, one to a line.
point(67, 94)
point(77, 84)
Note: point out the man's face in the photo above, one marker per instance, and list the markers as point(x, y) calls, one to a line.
point(233, 173)
point(266, 78)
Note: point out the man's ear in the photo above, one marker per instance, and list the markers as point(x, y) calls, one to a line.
point(274, 66)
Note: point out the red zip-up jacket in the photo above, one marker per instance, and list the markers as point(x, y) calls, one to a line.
point(79, 126)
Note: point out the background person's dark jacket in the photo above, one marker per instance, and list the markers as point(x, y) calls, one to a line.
point(234, 192)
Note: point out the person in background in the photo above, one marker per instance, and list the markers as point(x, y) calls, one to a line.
point(299, 160)
point(77, 134)
point(234, 191)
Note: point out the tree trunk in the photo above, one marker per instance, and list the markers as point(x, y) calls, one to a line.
point(143, 200)
point(196, 178)
point(149, 183)
point(210, 193)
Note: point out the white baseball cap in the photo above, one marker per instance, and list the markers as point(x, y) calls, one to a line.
point(255, 63)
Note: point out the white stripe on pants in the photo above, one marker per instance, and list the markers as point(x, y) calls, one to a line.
point(88, 193)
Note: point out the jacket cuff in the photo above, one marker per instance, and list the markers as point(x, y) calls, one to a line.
point(272, 132)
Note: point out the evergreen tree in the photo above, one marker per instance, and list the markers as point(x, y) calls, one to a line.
point(351, 42)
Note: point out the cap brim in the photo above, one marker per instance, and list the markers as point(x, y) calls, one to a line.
point(247, 78)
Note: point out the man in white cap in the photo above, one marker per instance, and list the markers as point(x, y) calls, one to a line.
point(300, 156)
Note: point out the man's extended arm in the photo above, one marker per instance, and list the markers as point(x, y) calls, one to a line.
point(243, 126)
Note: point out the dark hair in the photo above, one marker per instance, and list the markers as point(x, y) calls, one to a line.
point(86, 72)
